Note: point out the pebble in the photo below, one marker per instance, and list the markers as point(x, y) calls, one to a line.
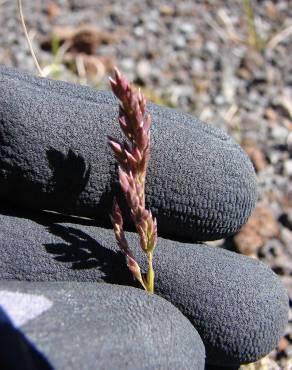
point(166, 10)
point(151, 26)
point(257, 157)
point(288, 167)
point(127, 64)
point(286, 237)
point(187, 28)
point(143, 70)
point(139, 31)
point(289, 142)
point(260, 227)
point(211, 47)
point(179, 42)
point(279, 134)
point(286, 219)
point(197, 67)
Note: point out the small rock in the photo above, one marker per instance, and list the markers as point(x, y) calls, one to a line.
point(53, 10)
point(248, 241)
point(187, 28)
point(287, 281)
point(286, 219)
point(166, 10)
point(152, 26)
point(198, 66)
point(276, 208)
point(280, 133)
point(283, 344)
point(143, 70)
point(179, 42)
point(271, 10)
point(275, 156)
point(257, 157)
point(179, 93)
point(243, 73)
point(286, 237)
point(289, 142)
point(139, 31)
point(271, 114)
point(211, 47)
point(261, 226)
point(252, 61)
point(127, 64)
point(280, 264)
point(219, 100)
point(288, 167)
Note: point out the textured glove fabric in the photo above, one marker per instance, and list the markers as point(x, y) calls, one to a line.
point(54, 155)
point(16, 351)
point(237, 304)
point(108, 327)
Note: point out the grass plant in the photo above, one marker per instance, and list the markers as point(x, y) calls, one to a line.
point(133, 157)
point(254, 38)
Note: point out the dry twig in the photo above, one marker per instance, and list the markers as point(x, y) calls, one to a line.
point(28, 39)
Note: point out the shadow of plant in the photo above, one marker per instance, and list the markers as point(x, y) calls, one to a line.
point(70, 176)
point(78, 250)
point(84, 252)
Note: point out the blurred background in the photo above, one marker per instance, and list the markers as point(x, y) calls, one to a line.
point(228, 62)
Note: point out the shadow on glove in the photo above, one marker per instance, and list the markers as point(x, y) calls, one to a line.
point(17, 352)
point(237, 304)
point(69, 176)
point(54, 155)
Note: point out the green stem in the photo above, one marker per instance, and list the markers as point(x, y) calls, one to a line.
point(253, 35)
point(150, 274)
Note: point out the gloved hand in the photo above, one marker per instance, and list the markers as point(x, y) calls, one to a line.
point(16, 351)
point(54, 155)
point(98, 326)
point(200, 186)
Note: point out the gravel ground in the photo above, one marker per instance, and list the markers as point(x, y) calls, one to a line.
point(204, 57)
